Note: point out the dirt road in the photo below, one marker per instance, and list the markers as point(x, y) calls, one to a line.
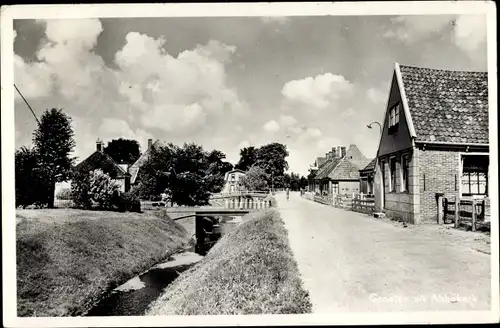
point(354, 262)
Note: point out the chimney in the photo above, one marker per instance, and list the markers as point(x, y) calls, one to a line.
point(98, 144)
point(344, 151)
point(339, 151)
point(334, 153)
point(150, 143)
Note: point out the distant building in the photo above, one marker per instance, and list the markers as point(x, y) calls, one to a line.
point(434, 140)
point(136, 167)
point(339, 173)
point(367, 177)
point(100, 160)
point(232, 181)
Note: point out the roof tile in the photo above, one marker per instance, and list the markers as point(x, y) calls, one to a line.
point(447, 106)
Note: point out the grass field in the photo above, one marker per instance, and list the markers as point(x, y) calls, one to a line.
point(251, 270)
point(67, 258)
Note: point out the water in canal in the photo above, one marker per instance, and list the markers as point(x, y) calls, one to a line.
point(133, 297)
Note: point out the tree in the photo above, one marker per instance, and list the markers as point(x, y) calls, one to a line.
point(54, 141)
point(248, 157)
point(272, 158)
point(188, 174)
point(123, 151)
point(29, 181)
point(255, 179)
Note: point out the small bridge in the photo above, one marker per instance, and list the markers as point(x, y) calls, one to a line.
point(207, 211)
point(242, 199)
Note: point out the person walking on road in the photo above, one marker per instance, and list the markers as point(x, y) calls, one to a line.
point(287, 194)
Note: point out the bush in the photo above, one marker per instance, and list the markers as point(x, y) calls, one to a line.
point(64, 194)
point(102, 189)
point(80, 190)
point(126, 202)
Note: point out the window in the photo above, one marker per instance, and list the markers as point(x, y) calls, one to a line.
point(335, 188)
point(404, 172)
point(394, 117)
point(232, 177)
point(392, 181)
point(475, 175)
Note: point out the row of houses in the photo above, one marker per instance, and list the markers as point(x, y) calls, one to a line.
point(434, 143)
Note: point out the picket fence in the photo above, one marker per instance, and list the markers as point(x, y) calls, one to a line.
point(353, 202)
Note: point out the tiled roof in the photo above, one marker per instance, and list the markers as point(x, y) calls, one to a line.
point(447, 106)
point(320, 161)
point(134, 169)
point(345, 170)
point(370, 166)
point(100, 160)
point(327, 167)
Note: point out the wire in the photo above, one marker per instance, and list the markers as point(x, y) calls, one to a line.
point(36, 118)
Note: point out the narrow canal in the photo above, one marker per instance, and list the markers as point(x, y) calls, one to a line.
point(133, 297)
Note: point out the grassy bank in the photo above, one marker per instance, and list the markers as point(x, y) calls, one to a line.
point(66, 258)
point(251, 270)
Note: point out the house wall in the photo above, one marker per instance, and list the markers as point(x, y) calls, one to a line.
point(397, 140)
point(403, 205)
point(349, 187)
point(121, 184)
point(439, 173)
point(235, 183)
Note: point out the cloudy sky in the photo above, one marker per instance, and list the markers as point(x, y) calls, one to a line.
point(226, 83)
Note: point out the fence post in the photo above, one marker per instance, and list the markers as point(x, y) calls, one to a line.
point(440, 209)
point(457, 210)
point(474, 214)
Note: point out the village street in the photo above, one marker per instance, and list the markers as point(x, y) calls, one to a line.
point(353, 262)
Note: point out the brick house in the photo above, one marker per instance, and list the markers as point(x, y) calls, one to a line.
point(434, 140)
point(232, 181)
point(339, 174)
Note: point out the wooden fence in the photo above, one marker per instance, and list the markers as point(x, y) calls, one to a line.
point(353, 202)
point(467, 211)
point(363, 204)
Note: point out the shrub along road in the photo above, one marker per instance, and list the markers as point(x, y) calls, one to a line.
point(353, 262)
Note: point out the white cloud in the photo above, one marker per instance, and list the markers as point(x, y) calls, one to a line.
point(319, 91)
point(149, 89)
point(470, 32)
point(348, 113)
point(376, 95)
point(287, 120)
point(271, 126)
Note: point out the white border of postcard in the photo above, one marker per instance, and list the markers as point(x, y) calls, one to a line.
point(9, 13)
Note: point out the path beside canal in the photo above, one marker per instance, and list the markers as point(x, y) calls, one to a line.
point(354, 262)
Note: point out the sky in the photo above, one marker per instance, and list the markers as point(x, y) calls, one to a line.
point(312, 83)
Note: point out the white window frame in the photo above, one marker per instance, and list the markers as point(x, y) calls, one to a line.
point(392, 182)
point(404, 160)
point(461, 156)
point(394, 114)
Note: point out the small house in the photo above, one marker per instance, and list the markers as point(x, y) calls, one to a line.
point(340, 172)
point(100, 160)
point(434, 141)
point(232, 181)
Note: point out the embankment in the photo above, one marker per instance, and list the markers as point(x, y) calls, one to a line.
point(67, 259)
point(251, 270)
